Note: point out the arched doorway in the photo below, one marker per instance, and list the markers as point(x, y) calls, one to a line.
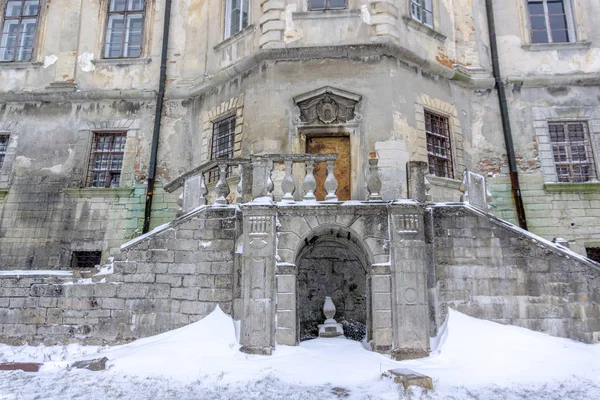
point(332, 263)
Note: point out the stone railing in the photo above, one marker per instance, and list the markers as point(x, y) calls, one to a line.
point(254, 180)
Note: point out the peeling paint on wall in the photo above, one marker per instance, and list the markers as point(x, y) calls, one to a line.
point(49, 60)
point(85, 62)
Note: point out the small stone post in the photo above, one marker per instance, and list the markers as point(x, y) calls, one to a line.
point(374, 182)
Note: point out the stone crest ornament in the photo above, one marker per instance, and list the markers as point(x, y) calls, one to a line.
point(327, 106)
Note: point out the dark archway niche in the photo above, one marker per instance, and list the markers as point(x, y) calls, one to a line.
point(332, 264)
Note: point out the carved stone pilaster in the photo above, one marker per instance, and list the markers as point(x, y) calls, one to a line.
point(383, 18)
point(272, 23)
point(258, 280)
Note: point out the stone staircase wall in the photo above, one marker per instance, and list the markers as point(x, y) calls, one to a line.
point(490, 269)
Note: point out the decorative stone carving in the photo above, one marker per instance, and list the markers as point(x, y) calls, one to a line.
point(407, 223)
point(327, 106)
point(475, 191)
point(330, 328)
point(258, 232)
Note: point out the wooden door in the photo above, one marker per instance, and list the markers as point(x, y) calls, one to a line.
point(332, 144)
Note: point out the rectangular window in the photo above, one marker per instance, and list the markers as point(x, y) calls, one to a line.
point(439, 151)
point(326, 5)
point(236, 16)
point(422, 11)
point(573, 156)
point(106, 160)
point(18, 30)
point(222, 143)
point(3, 148)
point(124, 29)
point(86, 259)
point(550, 21)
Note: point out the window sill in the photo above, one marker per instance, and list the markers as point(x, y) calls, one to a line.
point(234, 38)
point(324, 14)
point(20, 64)
point(586, 187)
point(421, 27)
point(98, 192)
point(556, 46)
point(444, 182)
point(122, 62)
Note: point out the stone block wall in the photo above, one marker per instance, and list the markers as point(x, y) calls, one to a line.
point(162, 281)
point(490, 269)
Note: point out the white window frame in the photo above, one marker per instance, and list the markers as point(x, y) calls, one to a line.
point(421, 6)
point(569, 16)
point(245, 5)
point(18, 57)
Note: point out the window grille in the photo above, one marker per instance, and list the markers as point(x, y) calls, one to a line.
point(223, 138)
point(3, 148)
point(106, 160)
point(439, 151)
point(549, 21)
point(124, 28)
point(18, 30)
point(314, 5)
point(422, 11)
point(573, 156)
point(236, 16)
point(86, 259)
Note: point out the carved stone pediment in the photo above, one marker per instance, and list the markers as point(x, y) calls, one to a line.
point(327, 106)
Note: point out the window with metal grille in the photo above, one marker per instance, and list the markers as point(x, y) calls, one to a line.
point(3, 147)
point(85, 259)
point(439, 151)
point(106, 160)
point(124, 29)
point(223, 138)
point(18, 30)
point(326, 5)
point(549, 21)
point(422, 11)
point(593, 253)
point(573, 156)
point(236, 16)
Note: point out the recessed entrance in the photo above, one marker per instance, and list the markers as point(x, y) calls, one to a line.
point(332, 265)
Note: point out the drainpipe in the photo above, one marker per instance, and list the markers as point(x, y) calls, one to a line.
point(510, 150)
point(157, 117)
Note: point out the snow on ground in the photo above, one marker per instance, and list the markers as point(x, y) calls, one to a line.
point(474, 360)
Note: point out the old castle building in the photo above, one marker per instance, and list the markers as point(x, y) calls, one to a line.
point(104, 118)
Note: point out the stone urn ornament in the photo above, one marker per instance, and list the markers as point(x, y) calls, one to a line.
point(330, 328)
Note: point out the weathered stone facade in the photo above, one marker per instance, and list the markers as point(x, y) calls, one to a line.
point(372, 78)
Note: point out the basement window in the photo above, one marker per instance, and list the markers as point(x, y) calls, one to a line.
point(85, 259)
point(439, 151)
point(572, 149)
point(106, 160)
point(3, 148)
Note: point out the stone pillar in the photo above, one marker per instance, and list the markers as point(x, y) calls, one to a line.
point(258, 280)
point(381, 305)
point(409, 283)
point(286, 330)
point(416, 180)
point(272, 23)
point(384, 16)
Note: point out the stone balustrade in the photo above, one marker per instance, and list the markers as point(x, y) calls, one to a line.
point(254, 180)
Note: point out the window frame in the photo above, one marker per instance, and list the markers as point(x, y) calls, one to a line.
point(89, 180)
point(125, 13)
point(227, 33)
point(20, 18)
point(449, 159)
point(327, 6)
point(231, 120)
point(4, 147)
point(569, 20)
point(421, 5)
point(568, 144)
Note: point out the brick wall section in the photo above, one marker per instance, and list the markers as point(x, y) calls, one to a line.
point(491, 270)
point(165, 281)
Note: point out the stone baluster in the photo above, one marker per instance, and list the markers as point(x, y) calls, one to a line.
point(310, 184)
point(374, 182)
point(270, 184)
point(287, 185)
point(240, 186)
point(222, 188)
point(331, 183)
point(203, 191)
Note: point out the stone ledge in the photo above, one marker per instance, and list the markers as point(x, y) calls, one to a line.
point(99, 192)
point(235, 37)
point(557, 46)
point(444, 182)
point(20, 64)
point(586, 187)
point(326, 14)
point(121, 62)
point(421, 27)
